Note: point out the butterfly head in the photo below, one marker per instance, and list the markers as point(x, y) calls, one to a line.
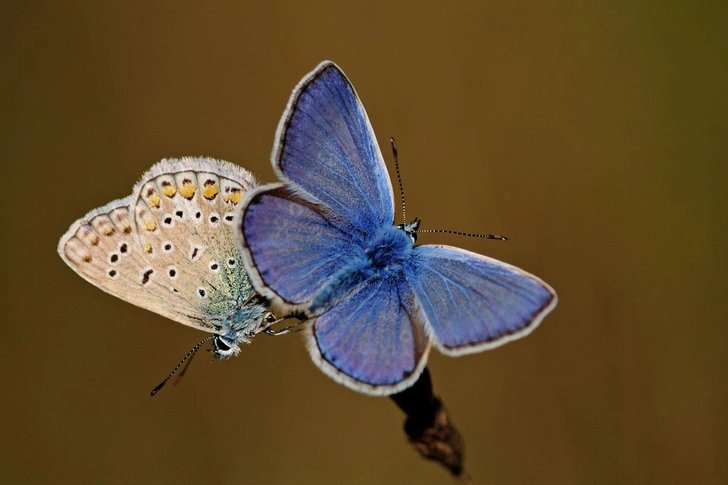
point(411, 229)
point(251, 317)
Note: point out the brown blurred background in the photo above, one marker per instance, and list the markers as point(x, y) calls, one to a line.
point(591, 133)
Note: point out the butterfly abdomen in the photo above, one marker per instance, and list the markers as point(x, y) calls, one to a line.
point(341, 284)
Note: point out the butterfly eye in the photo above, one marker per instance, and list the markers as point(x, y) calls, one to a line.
point(202, 292)
point(167, 247)
point(224, 349)
point(231, 262)
point(220, 344)
point(214, 267)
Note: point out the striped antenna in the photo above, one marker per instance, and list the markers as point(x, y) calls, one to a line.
point(187, 358)
point(399, 178)
point(404, 212)
point(483, 236)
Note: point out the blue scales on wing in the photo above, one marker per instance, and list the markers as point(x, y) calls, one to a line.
point(472, 302)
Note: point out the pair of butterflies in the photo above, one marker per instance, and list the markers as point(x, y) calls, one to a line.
point(200, 242)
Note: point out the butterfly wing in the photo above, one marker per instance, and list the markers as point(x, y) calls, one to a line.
point(184, 218)
point(326, 150)
point(102, 249)
point(336, 192)
point(291, 247)
point(473, 303)
point(381, 313)
point(152, 250)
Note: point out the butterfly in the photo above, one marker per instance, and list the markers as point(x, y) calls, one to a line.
point(170, 248)
point(322, 243)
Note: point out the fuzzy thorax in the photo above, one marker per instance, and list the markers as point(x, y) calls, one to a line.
point(381, 258)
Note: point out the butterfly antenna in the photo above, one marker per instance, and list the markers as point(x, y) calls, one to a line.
point(483, 236)
point(399, 178)
point(188, 359)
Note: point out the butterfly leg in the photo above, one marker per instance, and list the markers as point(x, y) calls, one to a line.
point(296, 327)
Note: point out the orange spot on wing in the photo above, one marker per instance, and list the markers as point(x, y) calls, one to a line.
point(188, 189)
point(210, 190)
point(154, 200)
point(234, 198)
point(169, 189)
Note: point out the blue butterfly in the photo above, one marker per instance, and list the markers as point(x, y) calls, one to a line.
point(322, 244)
